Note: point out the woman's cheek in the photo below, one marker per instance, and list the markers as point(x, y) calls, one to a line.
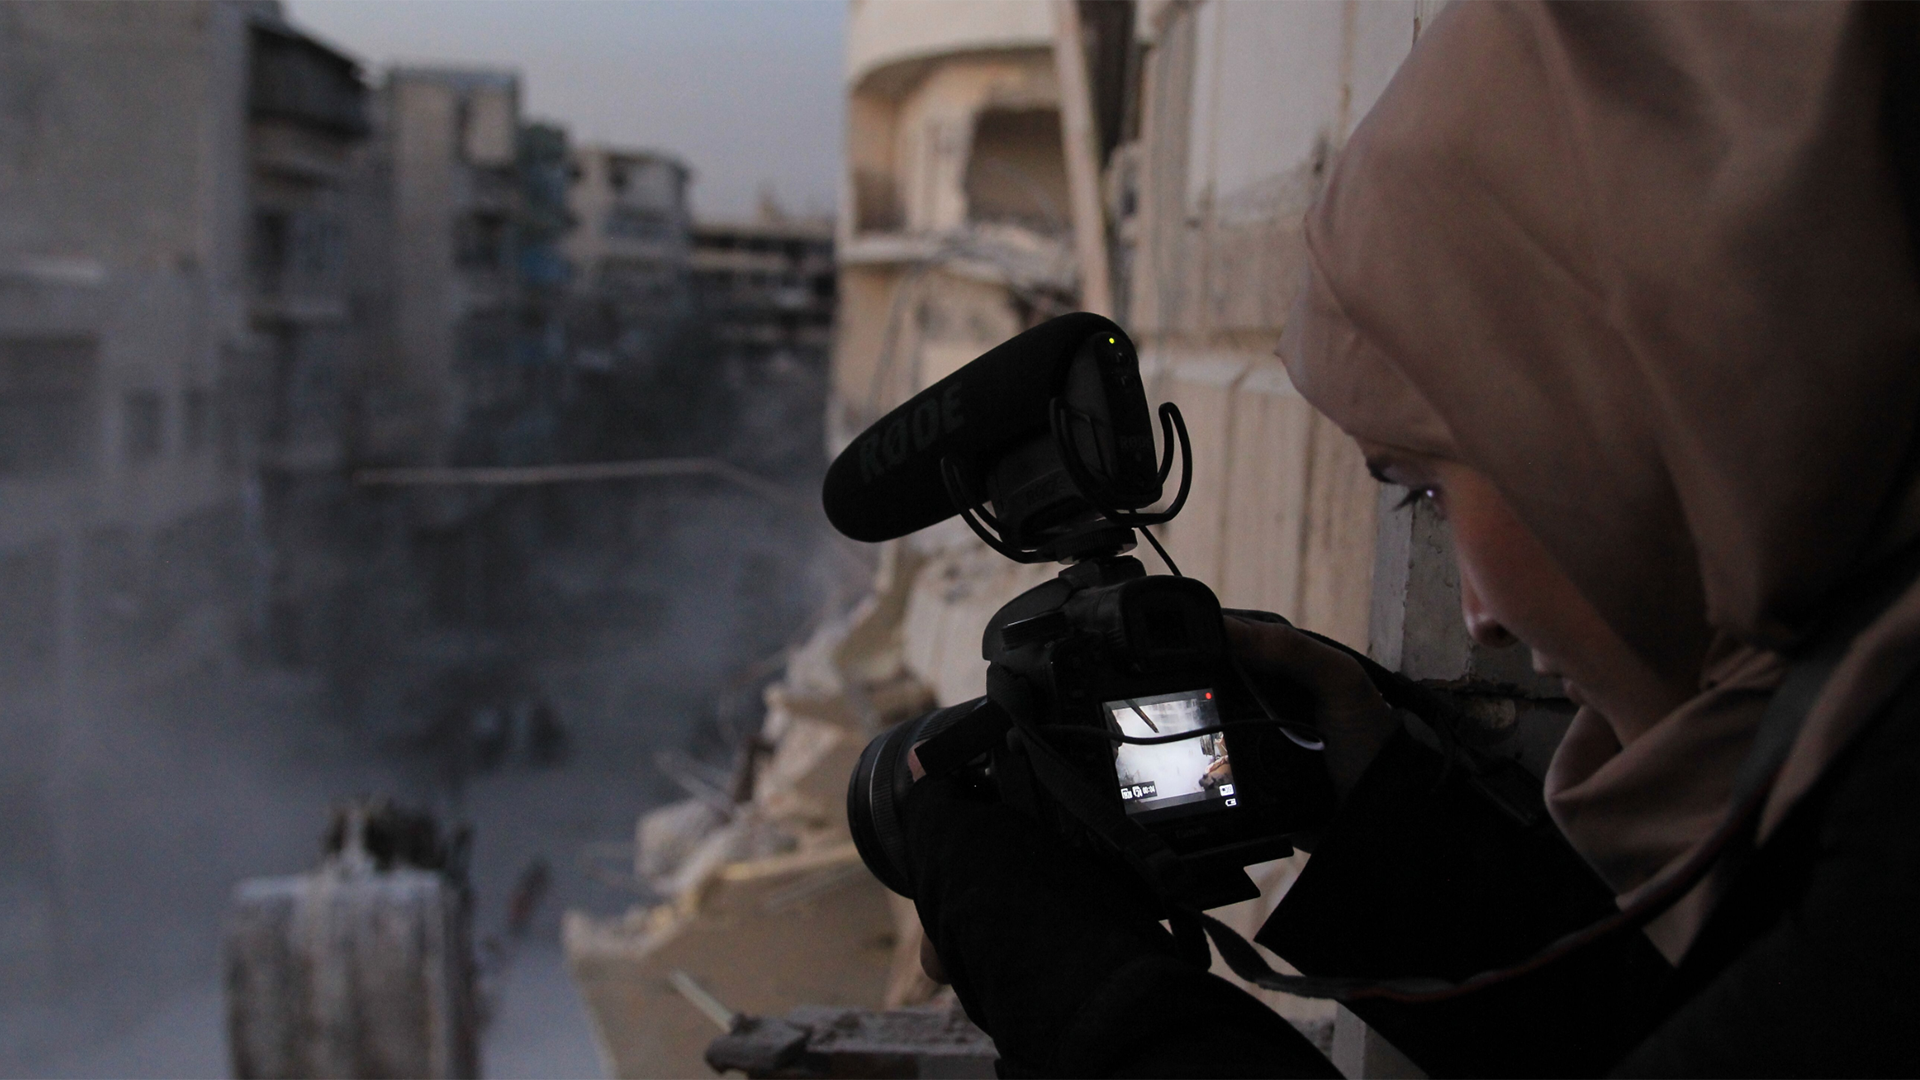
point(1510, 587)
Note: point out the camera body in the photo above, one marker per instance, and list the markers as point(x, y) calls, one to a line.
point(1106, 647)
point(1087, 665)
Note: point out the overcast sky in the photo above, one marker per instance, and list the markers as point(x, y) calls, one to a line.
point(746, 91)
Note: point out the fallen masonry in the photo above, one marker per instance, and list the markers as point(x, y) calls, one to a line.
point(815, 1041)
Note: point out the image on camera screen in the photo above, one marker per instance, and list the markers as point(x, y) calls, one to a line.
point(1184, 773)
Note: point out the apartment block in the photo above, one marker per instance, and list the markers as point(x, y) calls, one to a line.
point(172, 329)
point(767, 288)
point(628, 246)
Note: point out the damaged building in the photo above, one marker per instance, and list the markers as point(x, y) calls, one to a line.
point(173, 335)
point(629, 246)
point(954, 230)
point(232, 273)
point(767, 288)
point(1007, 162)
point(764, 292)
point(447, 158)
point(307, 137)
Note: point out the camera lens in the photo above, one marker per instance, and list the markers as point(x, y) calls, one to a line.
point(877, 795)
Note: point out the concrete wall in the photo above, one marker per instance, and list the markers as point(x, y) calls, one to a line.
point(934, 150)
point(452, 182)
point(1239, 110)
point(949, 104)
point(651, 190)
point(122, 209)
point(123, 201)
point(1243, 106)
point(880, 34)
point(350, 971)
point(420, 118)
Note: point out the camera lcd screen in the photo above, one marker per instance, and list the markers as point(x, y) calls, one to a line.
point(1192, 774)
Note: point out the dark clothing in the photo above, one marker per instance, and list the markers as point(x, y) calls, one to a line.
point(1805, 968)
point(1426, 873)
point(1056, 954)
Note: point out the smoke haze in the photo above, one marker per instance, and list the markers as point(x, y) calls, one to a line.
point(168, 786)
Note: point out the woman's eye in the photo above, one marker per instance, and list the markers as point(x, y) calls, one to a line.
point(1427, 494)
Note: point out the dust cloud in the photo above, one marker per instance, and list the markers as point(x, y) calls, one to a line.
point(243, 275)
point(540, 671)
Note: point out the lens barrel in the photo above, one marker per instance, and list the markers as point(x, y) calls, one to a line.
point(877, 795)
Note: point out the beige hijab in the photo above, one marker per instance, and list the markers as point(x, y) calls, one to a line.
point(1646, 267)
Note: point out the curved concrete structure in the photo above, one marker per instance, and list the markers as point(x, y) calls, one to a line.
point(881, 35)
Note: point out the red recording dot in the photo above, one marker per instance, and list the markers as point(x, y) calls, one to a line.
point(1209, 695)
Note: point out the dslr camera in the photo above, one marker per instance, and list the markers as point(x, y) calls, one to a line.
point(1115, 716)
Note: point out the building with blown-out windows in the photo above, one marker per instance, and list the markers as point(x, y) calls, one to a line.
point(1008, 161)
point(175, 347)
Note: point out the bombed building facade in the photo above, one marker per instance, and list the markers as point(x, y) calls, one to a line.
point(630, 248)
point(317, 274)
point(954, 224)
point(1007, 162)
point(768, 285)
point(448, 148)
point(172, 334)
point(237, 270)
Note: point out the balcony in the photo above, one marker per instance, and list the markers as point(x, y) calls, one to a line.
point(299, 80)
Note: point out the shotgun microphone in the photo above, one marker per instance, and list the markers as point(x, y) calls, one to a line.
point(1051, 427)
point(1044, 447)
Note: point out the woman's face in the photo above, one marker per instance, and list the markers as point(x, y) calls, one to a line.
point(1511, 588)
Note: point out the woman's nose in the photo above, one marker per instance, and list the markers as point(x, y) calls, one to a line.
point(1482, 626)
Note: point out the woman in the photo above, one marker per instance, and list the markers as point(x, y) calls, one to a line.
point(1629, 293)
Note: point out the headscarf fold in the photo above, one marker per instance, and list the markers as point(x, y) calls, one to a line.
point(1647, 267)
point(1638, 809)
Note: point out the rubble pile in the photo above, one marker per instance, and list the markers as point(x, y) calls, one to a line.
point(764, 902)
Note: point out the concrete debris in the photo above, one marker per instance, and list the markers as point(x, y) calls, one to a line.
point(813, 1041)
point(361, 968)
point(766, 903)
point(666, 838)
point(759, 1046)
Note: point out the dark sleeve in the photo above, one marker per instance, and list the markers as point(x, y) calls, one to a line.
point(1807, 967)
point(1443, 871)
point(1056, 954)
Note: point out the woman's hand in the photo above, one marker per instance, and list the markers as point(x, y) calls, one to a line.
point(1353, 719)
